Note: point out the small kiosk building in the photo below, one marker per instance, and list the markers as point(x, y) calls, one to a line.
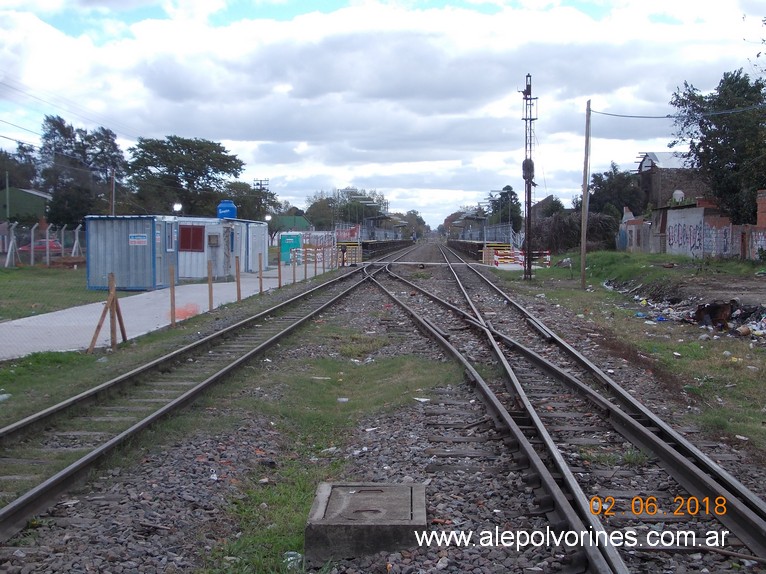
point(139, 249)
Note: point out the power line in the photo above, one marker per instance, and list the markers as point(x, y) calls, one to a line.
point(21, 128)
point(633, 116)
point(677, 115)
point(39, 161)
point(126, 131)
point(18, 141)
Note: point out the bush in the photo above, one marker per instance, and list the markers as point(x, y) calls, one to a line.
point(560, 232)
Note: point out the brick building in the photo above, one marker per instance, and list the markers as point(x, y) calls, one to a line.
point(661, 173)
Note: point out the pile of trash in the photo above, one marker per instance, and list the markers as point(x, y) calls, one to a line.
point(723, 316)
point(731, 316)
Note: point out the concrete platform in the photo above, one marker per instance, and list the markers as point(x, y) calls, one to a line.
point(73, 329)
point(354, 519)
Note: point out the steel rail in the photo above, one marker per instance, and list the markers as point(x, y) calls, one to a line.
point(580, 501)
point(632, 405)
point(746, 524)
point(601, 558)
point(14, 429)
point(694, 470)
point(14, 515)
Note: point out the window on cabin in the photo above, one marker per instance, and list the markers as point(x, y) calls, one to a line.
point(191, 238)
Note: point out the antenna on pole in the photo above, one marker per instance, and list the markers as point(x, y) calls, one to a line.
point(528, 172)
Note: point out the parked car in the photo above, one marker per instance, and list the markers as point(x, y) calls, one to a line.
point(41, 245)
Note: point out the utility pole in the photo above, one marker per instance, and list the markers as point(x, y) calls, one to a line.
point(528, 172)
point(261, 188)
point(113, 196)
point(585, 197)
point(261, 185)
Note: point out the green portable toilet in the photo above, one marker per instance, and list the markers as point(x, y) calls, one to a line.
point(288, 241)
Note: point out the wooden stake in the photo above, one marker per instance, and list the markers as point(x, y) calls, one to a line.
point(112, 313)
point(112, 306)
point(172, 297)
point(209, 284)
point(236, 274)
point(260, 273)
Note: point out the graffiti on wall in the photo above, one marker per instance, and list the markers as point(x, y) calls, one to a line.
point(690, 235)
point(685, 238)
point(757, 241)
point(717, 241)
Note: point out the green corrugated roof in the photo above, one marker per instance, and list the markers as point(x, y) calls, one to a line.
point(292, 222)
point(23, 203)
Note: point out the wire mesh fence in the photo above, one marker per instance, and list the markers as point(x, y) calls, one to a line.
point(44, 275)
point(35, 245)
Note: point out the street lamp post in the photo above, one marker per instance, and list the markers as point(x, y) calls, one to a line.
point(267, 217)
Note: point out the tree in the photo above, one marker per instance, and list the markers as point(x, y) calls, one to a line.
point(726, 134)
point(322, 210)
point(107, 165)
point(321, 214)
point(561, 232)
point(505, 207)
point(65, 173)
point(759, 54)
point(252, 201)
point(19, 173)
point(446, 227)
point(194, 172)
point(554, 207)
point(415, 223)
point(78, 168)
point(613, 190)
point(349, 205)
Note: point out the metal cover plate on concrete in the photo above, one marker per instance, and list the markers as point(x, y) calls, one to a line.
point(354, 519)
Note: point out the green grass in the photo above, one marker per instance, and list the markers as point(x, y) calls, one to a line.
point(642, 267)
point(307, 414)
point(272, 516)
point(29, 291)
point(634, 457)
point(609, 458)
point(601, 456)
point(31, 381)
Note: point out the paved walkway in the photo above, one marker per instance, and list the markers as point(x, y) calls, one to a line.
point(73, 329)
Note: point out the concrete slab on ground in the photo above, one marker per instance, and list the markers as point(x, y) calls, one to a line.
point(73, 329)
point(355, 519)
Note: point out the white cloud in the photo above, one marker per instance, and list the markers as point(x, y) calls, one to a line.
point(421, 104)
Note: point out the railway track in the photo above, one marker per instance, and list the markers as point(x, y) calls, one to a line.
point(535, 424)
point(551, 406)
point(46, 452)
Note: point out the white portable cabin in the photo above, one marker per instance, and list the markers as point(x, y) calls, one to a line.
point(257, 244)
point(221, 241)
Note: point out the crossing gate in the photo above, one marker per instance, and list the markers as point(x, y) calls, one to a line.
point(517, 256)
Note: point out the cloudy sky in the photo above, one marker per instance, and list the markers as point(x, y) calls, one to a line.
point(417, 99)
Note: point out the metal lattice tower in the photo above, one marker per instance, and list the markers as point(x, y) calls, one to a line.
point(528, 172)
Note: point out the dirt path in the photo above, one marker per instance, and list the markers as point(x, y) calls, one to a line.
point(750, 292)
